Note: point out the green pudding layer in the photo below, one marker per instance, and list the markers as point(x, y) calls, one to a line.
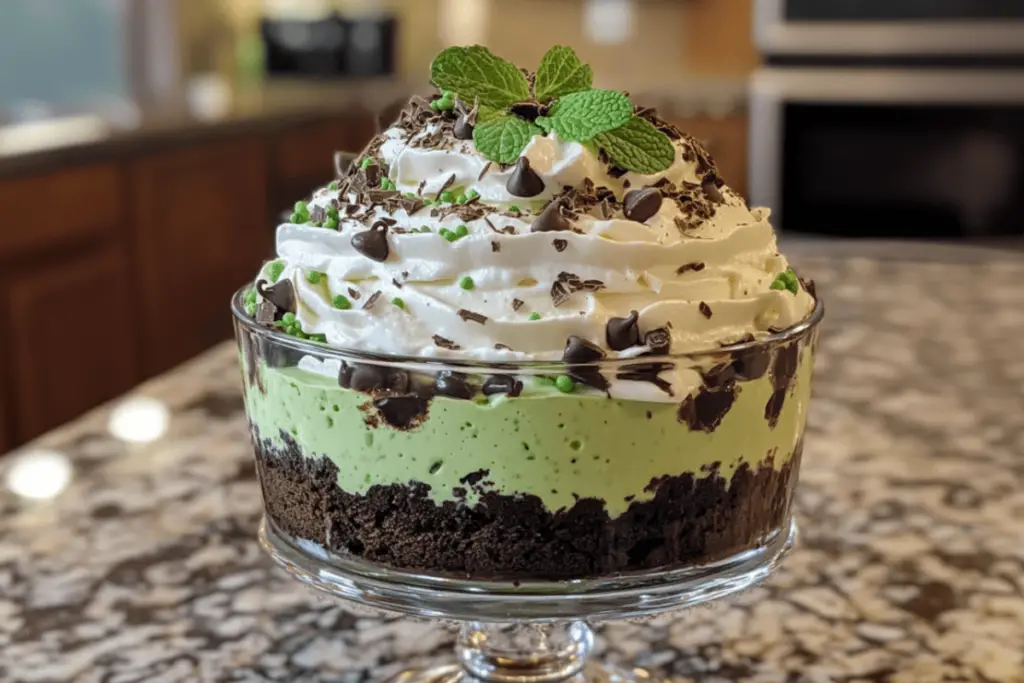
point(550, 445)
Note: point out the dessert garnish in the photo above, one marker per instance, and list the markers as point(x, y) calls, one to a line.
point(622, 333)
point(639, 205)
point(511, 110)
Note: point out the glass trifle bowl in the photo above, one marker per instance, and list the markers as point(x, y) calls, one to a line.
point(505, 374)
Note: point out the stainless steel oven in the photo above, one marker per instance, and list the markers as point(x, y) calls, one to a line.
point(889, 152)
point(875, 28)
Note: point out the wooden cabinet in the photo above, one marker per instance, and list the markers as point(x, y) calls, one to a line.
point(201, 231)
point(116, 270)
point(72, 342)
point(726, 139)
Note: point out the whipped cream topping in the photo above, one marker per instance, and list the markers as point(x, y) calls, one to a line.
point(701, 268)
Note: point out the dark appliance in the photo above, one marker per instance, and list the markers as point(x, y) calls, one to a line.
point(333, 46)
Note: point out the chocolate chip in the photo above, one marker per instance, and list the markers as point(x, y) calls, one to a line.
point(704, 309)
point(551, 219)
point(281, 294)
point(345, 375)
point(639, 205)
point(453, 384)
point(659, 340)
point(524, 181)
point(397, 381)
point(463, 128)
point(372, 243)
point(784, 367)
point(773, 408)
point(502, 384)
point(266, 313)
point(694, 267)
point(366, 378)
point(752, 363)
point(403, 412)
point(373, 175)
point(706, 410)
point(590, 376)
point(560, 244)
point(580, 350)
point(710, 189)
point(622, 333)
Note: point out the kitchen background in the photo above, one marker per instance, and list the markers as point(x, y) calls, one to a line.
point(148, 146)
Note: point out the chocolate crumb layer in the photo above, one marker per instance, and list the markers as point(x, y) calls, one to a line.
point(690, 520)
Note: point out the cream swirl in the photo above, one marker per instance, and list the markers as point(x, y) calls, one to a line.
point(705, 277)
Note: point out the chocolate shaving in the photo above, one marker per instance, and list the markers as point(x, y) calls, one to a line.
point(568, 284)
point(371, 301)
point(517, 304)
point(486, 168)
point(705, 310)
point(373, 175)
point(318, 214)
point(448, 183)
point(467, 315)
point(445, 343)
point(382, 196)
point(354, 293)
point(560, 244)
point(495, 246)
point(502, 347)
point(695, 267)
point(411, 204)
point(396, 283)
point(281, 294)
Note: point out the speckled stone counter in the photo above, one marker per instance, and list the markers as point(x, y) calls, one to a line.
point(910, 566)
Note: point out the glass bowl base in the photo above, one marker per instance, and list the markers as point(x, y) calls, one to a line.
point(592, 673)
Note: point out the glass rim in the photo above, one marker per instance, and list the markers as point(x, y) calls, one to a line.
point(435, 363)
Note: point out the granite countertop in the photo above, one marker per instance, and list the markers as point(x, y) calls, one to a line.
point(910, 567)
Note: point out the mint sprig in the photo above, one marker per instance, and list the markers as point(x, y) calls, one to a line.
point(562, 100)
point(581, 116)
point(475, 73)
point(503, 139)
point(638, 146)
point(560, 73)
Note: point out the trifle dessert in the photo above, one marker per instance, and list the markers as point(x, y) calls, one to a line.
point(527, 333)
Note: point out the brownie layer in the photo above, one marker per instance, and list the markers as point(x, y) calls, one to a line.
point(689, 520)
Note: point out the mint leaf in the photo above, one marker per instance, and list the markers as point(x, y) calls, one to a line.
point(503, 139)
point(580, 116)
point(638, 147)
point(475, 72)
point(560, 73)
point(485, 114)
point(544, 122)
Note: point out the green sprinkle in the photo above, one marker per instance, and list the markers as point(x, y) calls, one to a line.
point(410, 195)
point(424, 228)
point(398, 302)
point(332, 212)
point(778, 284)
point(535, 316)
point(341, 302)
point(428, 202)
point(249, 301)
point(472, 194)
point(301, 207)
point(288, 319)
point(541, 380)
point(313, 277)
point(274, 270)
point(565, 384)
point(331, 223)
point(461, 199)
point(448, 235)
point(461, 231)
point(333, 185)
point(366, 162)
point(467, 283)
point(386, 184)
point(298, 218)
point(322, 338)
point(513, 209)
point(787, 280)
point(446, 197)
